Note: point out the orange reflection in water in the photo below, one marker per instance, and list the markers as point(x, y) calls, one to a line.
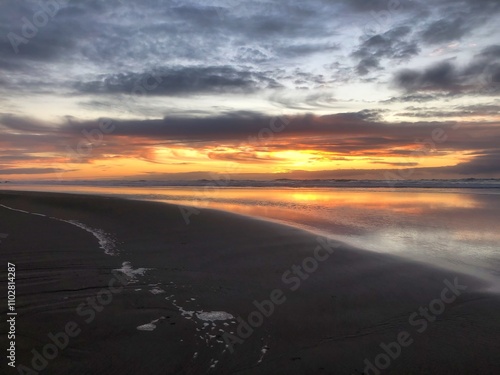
point(312, 207)
point(220, 197)
point(458, 226)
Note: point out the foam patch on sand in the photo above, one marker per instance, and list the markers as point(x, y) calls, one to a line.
point(206, 316)
point(208, 324)
point(105, 241)
point(150, 326)
point(185, 313)
point(131, 272)
point(156, 290)
point(213, 363)
point(263, 352)
point(214, 315)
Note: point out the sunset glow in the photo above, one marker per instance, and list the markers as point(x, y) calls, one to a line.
point(261, 91)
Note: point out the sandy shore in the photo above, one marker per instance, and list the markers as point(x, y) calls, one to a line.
point(109, 286)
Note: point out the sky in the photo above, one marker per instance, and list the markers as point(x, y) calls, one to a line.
point(317, 89)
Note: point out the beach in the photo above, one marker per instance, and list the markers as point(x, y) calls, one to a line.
point(113, 286)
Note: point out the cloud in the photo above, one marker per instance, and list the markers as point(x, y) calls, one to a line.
point(241, 156)
point(441, 77)
point(31, 35)
point(482, 164)
point(375, 5)
point(402, 164)
point(446, 30)
point(180, 81)
point(239, 137)
point(305, 49)
point(481, 110)
point(357, 133)
point(307, 100)
point(202, 63)
point(15, 171)
point(390, 45)
point(416, 98)
point(103, 47)
point(480, 75)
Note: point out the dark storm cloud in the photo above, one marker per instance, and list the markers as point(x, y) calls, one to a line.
point(473, 6)
point(442, 77)
point(483, 164)
point(344, 132)
point(111, 39)
point(22, 124)
point(117, 36)
point(180, 81)
point(280, 20)
point(390, 45)
point(252, 55)
point(481, 75)
point(12, 171)
point(369, 6)
point(206, 32)
point(194, 42)
point(368, 64)
point(363, 5)
point(38, 32)
point(305, 49)
point(445, 30)
point(432, 23)
point(452, 20)
point(369, 114)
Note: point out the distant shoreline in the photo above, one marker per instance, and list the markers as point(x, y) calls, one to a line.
point(224, 182)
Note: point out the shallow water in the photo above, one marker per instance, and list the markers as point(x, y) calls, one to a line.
point(456, 227)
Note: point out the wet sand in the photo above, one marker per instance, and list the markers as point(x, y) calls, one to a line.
point(190, 287)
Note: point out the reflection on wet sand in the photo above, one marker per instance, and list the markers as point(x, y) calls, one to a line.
point(457, 226)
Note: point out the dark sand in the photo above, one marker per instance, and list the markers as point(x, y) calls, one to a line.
point(336, 319)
